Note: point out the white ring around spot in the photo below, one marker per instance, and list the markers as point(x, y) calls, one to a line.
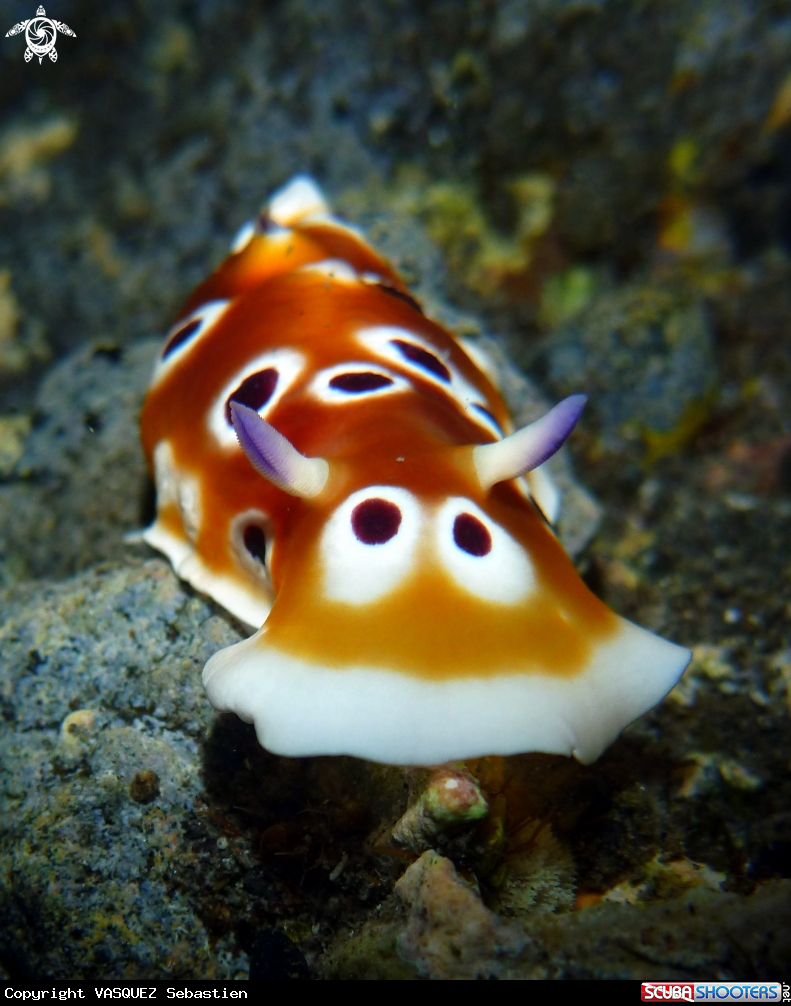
point(320, 385)
point(379, 338)
point(208, 315)
point(505, 574)
point(358, 573)
point(288, 364)
point(236, 535)
point(333, 268)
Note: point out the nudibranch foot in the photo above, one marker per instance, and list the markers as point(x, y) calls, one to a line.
point(337, 470)
point(300, 708)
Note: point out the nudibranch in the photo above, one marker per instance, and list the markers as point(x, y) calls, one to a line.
point(340, 473)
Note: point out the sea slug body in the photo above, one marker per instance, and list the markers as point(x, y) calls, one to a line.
point(334, 469)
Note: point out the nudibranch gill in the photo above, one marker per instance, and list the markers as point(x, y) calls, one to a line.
point(339, 472)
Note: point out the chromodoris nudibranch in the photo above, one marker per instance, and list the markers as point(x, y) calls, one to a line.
point(335, 470)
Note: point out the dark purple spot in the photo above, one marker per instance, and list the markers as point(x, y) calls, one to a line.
point(356, 384)
point(420, 356)
point(401, 294)
point(375, 521)
point(254, 391)
point(255, 542)
point(489, 416)
point(180, 336)
point(471, 535)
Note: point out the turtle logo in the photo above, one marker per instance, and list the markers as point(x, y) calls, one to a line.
point(40, 34)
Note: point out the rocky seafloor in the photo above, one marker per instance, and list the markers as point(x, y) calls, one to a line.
point(600, 187)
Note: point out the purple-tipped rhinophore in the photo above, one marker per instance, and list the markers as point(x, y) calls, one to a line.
point(275, 457)
point(266, 449)
point(551, 431)
point(529, 447)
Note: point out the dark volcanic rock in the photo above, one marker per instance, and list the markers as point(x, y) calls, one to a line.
point(81, 482)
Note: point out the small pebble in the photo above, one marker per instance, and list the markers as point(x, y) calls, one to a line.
point(144, 787)
point(339, 868)
point(451, 799)
point(77, 727)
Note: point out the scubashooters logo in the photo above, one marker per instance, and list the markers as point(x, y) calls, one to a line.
point(40, 34)
point(714, 991)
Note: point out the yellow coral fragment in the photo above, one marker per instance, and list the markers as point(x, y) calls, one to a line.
point(9, 308)
point(665, 880)
point(102, 248)
point(535, 197)
point(175, 48)
point(661, 444)
point(17, 352)
point(13, 432)
point(565, 295)
point(780, 112)
point(683, 161)
point(23, 149)
point(481, 256)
